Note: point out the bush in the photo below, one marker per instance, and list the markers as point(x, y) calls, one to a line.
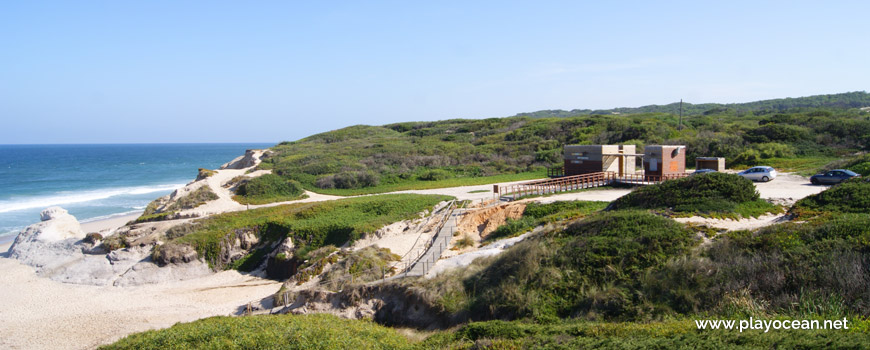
point(704, 194)
point(318, 331)
point(268, 188)
point(93, 238)
point(538, 214)
point(670, 334)
point(204, 173)
point(193, 199)
point(851, 196)
point(349, 180)
point(434, 175)
point(588, 269)
point(360, 266)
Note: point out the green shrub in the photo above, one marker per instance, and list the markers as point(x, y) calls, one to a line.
point(587, 269)
point(318, 331)
point(709, 194)
point(204, 173)
point(193, 199)
point(435, 175)
point(851, 196)
point(670, 334)
point(538, 214)
point(268, 188)
point(360, 266)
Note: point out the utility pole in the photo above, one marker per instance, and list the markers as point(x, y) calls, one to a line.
point(681, 115)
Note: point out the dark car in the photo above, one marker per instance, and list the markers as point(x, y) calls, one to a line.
point(833, 177)
point(703, 171)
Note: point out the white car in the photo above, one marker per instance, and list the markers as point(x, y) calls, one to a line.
point(759, 173)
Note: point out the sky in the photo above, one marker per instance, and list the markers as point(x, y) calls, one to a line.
point(230, 71)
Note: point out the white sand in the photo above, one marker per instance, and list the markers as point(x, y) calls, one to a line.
point(37, 313)
point(109, 224)
point(734, 225)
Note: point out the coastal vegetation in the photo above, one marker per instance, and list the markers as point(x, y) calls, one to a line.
point(197, 197)
point(623, 275)
point(852, 196)
point(268, 332)
point(537, 214)
point(308, 225)
point(268, 188)
point(713, 194)
point(800, 135)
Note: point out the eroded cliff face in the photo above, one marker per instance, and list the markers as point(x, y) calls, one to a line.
point(386, 303)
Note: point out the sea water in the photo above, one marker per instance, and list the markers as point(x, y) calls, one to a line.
point(95, 182)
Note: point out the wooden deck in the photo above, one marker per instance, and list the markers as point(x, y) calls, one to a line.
point(577, 182)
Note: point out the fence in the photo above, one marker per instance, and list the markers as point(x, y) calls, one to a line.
point(576, 182)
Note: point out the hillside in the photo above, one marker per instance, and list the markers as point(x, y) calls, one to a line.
point(614, 278)
point(414, 155)
point(857, 99)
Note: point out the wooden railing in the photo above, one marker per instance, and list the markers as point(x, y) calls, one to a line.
point(641, 179)
point(561, 184)
point(576, 182)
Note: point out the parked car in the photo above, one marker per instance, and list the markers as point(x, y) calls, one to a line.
point(833, 177)
point(759, 173)
point(703, 171)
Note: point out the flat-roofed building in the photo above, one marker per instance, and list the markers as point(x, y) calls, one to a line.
point(715, 163)
point(662, 160)
point(586, 159)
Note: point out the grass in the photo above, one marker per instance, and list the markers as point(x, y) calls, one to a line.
point(425, 185)
point(310, 225)
point(268, 332)
point(480, 191)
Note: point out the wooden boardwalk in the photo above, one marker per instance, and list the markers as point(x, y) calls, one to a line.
point(578, 182)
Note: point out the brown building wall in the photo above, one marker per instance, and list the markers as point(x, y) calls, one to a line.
point(664, 160)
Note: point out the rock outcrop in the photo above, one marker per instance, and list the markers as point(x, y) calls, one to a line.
point(57, 248)
point(50, 243)
point(251, 158)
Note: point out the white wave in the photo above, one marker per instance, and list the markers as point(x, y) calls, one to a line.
point(81, 196)
point(109, 216)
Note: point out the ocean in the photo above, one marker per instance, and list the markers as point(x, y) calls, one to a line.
point(94, 182)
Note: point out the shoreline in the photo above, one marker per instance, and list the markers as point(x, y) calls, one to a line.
point(110, 223)
point(105, 225)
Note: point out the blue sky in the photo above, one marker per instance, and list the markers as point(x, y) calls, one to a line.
point(229, 71)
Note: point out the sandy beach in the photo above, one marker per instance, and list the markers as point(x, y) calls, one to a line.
point(109, 224)
point(43, 314)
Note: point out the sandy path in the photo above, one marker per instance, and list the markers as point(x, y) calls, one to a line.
point(734, 225)
point(37, 313)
